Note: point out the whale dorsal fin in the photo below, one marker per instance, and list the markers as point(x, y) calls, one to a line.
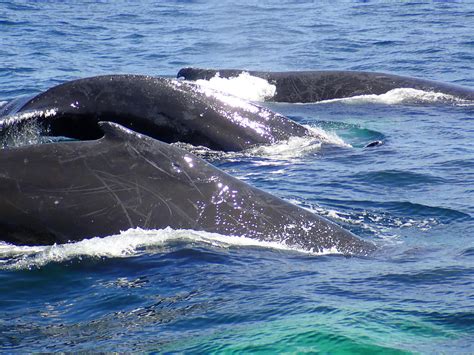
point(115, 131)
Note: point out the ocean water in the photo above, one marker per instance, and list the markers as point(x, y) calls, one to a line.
point(187, 291)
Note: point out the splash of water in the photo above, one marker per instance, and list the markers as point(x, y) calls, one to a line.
point(23, 128)
point(133, 242)
point(244, 85)
point(404, 96)
point(295, 147)
point(286, 150)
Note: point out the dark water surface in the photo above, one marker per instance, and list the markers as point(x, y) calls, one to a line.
point(181, 291)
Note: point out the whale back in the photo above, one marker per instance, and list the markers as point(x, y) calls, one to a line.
point(69, 191)
point(166, 109)
point(314, 86)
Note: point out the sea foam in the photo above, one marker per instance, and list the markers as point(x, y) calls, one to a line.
point(276, 153)
point(404, 96)
point(130, 243)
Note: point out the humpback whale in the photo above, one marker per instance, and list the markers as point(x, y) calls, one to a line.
point(165, 109)
point(69, 191)
point(314, 86)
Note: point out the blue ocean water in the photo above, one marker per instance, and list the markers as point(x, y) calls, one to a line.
point(172, 292)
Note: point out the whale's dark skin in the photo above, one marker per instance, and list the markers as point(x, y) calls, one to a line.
point(69, 191)
point(314, 86)
point(165, 109)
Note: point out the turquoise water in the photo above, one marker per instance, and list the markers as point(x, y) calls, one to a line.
point(171, 291)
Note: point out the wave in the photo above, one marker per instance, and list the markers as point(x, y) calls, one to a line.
point(403, 96)
point(386, 224)
point(397, 178)
point(130, 243)
point(468, 252)
point(244, 86)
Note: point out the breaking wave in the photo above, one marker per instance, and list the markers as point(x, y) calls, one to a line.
point(133, 242)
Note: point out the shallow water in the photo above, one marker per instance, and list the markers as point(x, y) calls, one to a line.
point(186, 291)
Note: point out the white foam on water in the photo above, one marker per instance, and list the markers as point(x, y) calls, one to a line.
point(297, 147)
point(132, 242)
point(276, 153)
point(404, 96)
point(327, 137)
point(294, 147)
point(3, 103)
point(286, 150)
point(244, 85)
